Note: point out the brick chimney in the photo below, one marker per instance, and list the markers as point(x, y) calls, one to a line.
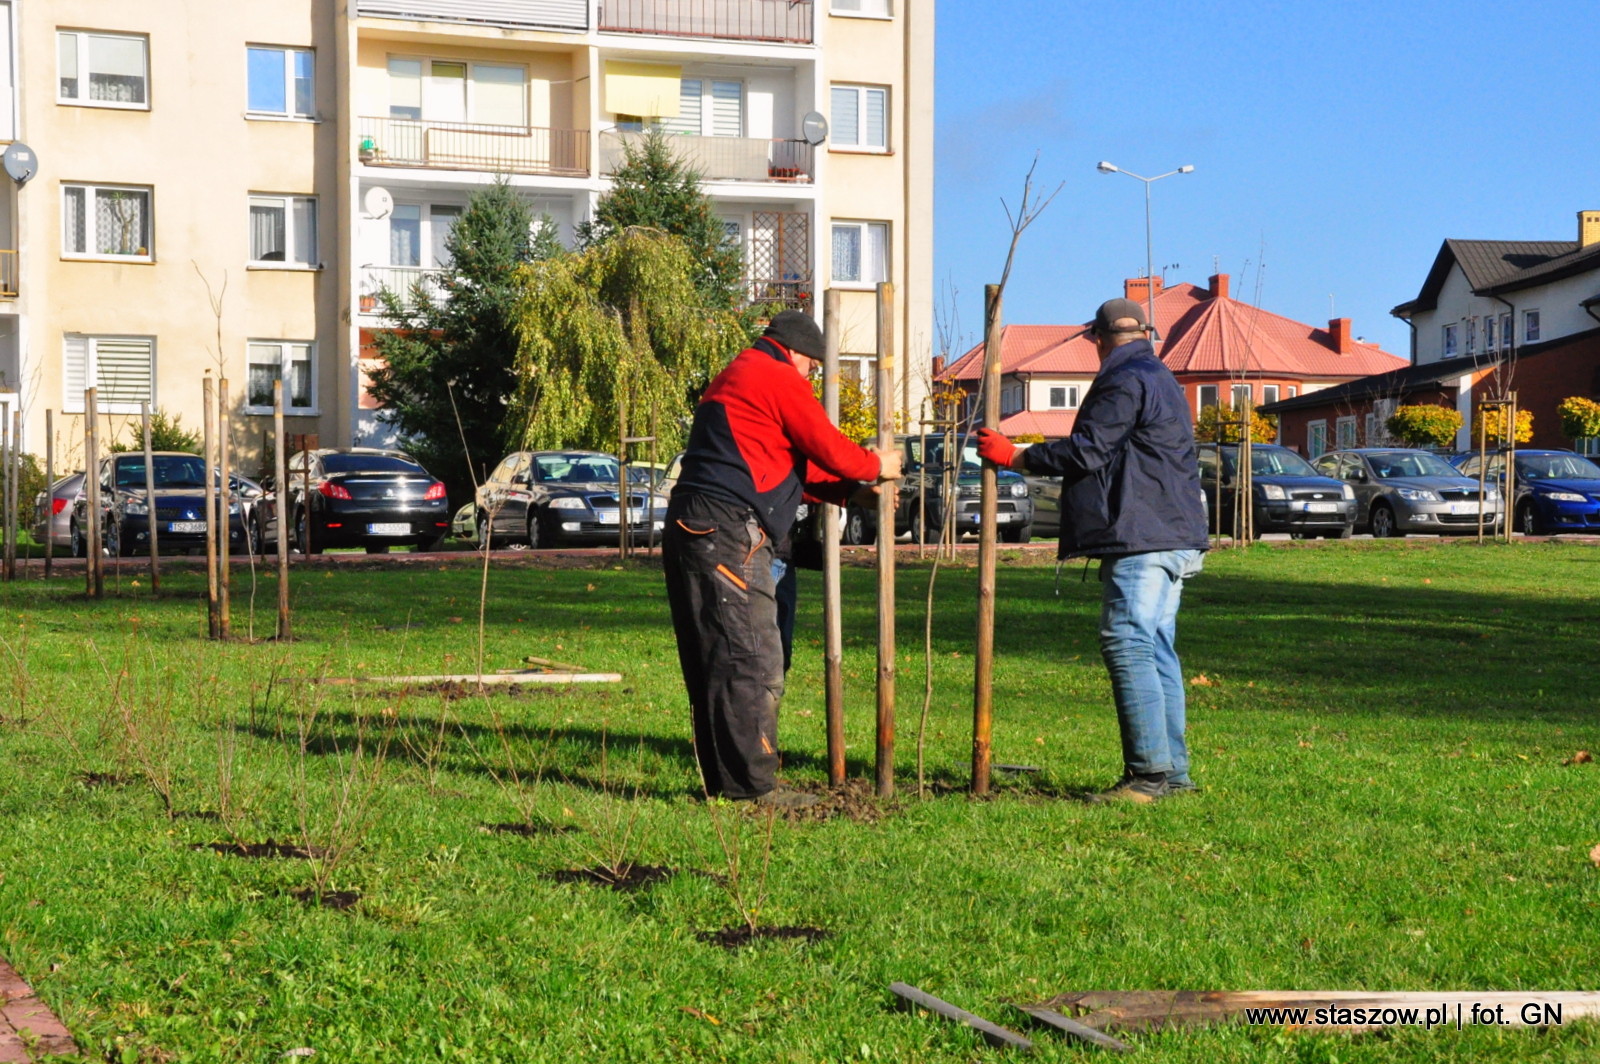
point(938, 366)
point(1219, 286)
point(1137, 288)
point(1588, 228)
point(1339, 333)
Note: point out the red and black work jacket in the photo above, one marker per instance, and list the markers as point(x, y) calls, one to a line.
point(761, 439)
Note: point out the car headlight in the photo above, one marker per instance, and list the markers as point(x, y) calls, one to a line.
point(136, 509)
point(1347, 491)
point(568, 502)
point(1564, 496)
point(1492, 494)
point(1019, 489)
point(1416, 494)
point(1273, 491)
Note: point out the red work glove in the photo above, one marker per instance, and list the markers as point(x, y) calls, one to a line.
point(994, 447)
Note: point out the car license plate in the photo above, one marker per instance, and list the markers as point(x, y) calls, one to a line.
point(1004, 518)
point(1322, 507)
point(1463, 507)
point(609, 517)
point(389, 530)
point(186, 526)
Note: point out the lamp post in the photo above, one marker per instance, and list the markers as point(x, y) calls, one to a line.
point(1149, 257)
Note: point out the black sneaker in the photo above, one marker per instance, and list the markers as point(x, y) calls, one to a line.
point(1133, 787)
point(784, 798)
point(1183, 786)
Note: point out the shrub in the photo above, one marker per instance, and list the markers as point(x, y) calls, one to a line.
point(1263, 429)
point(166, 434)
point(1495, 420)
point(1028, 437)
point(1424, 425)
point(1580, 418)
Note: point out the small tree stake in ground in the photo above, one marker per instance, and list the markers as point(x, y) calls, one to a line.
point(91, 472)
point(209, 435)
point(280, 490)
point(224, 509)
point(832, 615)
point(50, 490)
point(150, 497)
point(888, 496)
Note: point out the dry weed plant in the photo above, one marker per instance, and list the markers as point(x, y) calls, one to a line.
point(746, 888)
point(142, 695)
point(21, 679)
point(608, 819)
point(521, 784)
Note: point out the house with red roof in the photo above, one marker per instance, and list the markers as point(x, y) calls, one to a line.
point(1220, 349)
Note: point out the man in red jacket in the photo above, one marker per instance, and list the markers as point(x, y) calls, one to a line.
point(760, 443)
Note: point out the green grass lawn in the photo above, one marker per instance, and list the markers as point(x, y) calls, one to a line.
point(1384, 807)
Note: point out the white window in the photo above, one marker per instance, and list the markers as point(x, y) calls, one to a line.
point(1506, 333)
point(286, 360)
point(868, 8)
point(1064, 397)
point(442, 220)
point(707, 107)
point(121, 368)
point(1269, 394)
point(1241, 396)
point(1207, 395)
point(690, 117)
point(860, 253)
point(1530, 326)
point(282, 81)
point(1451, 339)
point(1472, 336)
point(283, 231)
point(860, 118)
point(1488, 333)
point(405, 235)
point(102, 69)
point(1316, 438)
point(1345, 431)
point(442, 90)
point(105, 221)
point(1293, 391)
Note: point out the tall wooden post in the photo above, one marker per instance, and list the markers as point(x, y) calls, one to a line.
point(208, 419)
point(832, 615)
point(224, 506)
point(17, 501)
point(280, 492)
point(650, 549)
point(983, 684)
point(1483, 471)
point(887, 498)
point(91, 473)
point(49, 491)
point(1509, 489)
point(150, 499)
point(622, 471)
point(8, 458)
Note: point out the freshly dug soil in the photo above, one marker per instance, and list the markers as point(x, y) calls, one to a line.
point(734, 937)
point(103, 779)
point(856, 800)
point(525, 830)
point(270, 848)
point(331, 899)
point(632, 878)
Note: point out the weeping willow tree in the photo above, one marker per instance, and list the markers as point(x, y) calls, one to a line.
point(622, 321)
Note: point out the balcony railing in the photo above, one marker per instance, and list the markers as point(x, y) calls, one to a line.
point(402, 281)
point(784, 21)
point(8, 275)
point(473, 146)
point(778, 295)
point(723, 158)
point(519, 14)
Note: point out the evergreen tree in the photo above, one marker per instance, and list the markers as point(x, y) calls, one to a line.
point(654, 189)
point(453, 356)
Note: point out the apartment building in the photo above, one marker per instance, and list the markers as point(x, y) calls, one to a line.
point(224, 185)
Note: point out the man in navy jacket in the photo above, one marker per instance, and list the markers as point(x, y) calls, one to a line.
point(1130, 496)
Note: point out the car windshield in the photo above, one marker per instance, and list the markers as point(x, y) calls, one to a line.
point(172, 471)
point(970, 462)
point(1389, 465)
point(576, 468)
point(1556, 467)
point(369, 463)
point(1273, 462)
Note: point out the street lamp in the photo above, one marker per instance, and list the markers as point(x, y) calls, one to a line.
point(1149, 257)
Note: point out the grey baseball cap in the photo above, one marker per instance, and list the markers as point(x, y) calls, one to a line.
point(1114, 310)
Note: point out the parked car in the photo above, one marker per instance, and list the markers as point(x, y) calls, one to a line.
point(1557, 491)
point(358, 497)
point(180, 511)
point(1046, 495)
point(547, 498)
point(1402, 490)
point(53, 509)
point(464, 525)
point(1289, 495)
point(921, 491)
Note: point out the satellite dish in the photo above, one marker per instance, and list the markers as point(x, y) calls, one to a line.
point(814, 128)
point(379, 203)
point(20, 162)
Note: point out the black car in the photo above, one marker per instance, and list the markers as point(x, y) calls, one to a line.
point(921, 493)
point(180, 515)
point(1289, 495)
point(355, 497)
point(547, 498)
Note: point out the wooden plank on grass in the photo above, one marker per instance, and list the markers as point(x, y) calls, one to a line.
point(994, 1034)
point(1150, 1010)
point(488, 678)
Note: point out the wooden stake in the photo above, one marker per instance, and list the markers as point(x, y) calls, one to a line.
point(49, 491)
point(650, 549)
point(1483, 467)
point(208, 420)
point(8, 452)
point(150, 498)
point(91, 472)
point(280, 492)
point(832, 615)
point(1509, 490)
point(983, 682)
point(14, 495)
point(224, 514)
point(622, 471)
point(887, 498)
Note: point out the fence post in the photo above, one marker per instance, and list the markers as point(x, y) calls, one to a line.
point(49, 490)
point(208, 433)
point(91, 473)
point(224, 525)
point(983, 685)
point(280, 491)
point(150, 498)
point(832, 616)
point(888, 497)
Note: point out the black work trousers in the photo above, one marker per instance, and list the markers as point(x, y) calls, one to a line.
point(724, 610)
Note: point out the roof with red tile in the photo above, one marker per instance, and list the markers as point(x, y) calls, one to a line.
point(1052, 424)
point(1202, 334)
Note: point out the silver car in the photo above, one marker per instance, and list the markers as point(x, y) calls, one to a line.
point(55, 508)
point(1399, 491)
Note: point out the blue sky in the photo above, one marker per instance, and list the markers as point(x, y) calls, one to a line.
point(1347, 139)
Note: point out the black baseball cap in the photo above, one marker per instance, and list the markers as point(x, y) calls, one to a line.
point(1115, 310)
point(797, 331)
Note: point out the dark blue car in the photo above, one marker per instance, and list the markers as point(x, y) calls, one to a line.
point(1557, 491)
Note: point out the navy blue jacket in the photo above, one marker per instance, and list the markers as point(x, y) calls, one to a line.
point(1130, 480)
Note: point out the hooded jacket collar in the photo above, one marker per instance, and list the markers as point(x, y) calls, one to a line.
point(1127, 352)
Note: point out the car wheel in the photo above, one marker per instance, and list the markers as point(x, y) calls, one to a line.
point(484, 536)
point(302, 527)
point(539, 537)
point(1382, 522)
point(1019, 534)
point(80, 549)
point(1527, 522)
point(858, 531)
point(1344, 533)
point(258, 543)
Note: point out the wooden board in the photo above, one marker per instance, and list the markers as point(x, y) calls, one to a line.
point(487, 679)
point(1151, 1010)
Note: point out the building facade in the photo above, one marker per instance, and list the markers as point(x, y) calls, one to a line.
point(226, 186)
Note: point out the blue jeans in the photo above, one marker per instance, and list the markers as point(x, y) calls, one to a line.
point(787, 591)
point(1138, 631)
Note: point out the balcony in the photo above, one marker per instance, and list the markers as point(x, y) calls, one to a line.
point(779, 261)
point(777, 21)
point(401, 280)
point(570, 15)
point(723, 158)
point(8, 275)
point(473, 146)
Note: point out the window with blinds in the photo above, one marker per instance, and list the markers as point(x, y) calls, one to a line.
point(120, 368)
point(860, 118)
point(447, 90)
point(687, 122)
